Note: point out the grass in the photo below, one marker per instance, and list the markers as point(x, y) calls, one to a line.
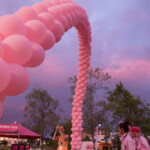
point(5, 148)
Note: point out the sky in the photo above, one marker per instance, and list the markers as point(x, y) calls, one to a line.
point(120, 46)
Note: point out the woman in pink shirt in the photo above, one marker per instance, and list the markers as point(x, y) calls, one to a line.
point(140, 141)
point(127, 143)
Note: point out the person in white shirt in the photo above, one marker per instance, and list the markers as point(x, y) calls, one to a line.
point(140, 141)
point(129, 126)
point(127, 143)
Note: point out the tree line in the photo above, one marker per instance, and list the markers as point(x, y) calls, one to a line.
point(102, 105)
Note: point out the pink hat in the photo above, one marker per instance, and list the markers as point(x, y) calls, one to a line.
point(136, 129)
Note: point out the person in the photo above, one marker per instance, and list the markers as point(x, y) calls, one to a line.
point(140, 141)
point(127, 143)
point(62, 138)
point(129, 126)
point(128, 123)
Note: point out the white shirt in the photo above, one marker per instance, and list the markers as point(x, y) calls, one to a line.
point(127, 143)
point(141, 143)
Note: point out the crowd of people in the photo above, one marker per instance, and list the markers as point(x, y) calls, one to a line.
point(131, 137)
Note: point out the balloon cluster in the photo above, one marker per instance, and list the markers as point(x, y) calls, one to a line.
point(24, 37)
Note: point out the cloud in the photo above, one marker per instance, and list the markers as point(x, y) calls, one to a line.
point(49, 73)
point(9, 6)
point(14, 107)
point(134, 74)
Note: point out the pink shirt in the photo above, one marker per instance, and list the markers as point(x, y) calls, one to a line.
point(127, 143)
point(141, 143)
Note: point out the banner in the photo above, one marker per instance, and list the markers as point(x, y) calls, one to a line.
point(4, 128)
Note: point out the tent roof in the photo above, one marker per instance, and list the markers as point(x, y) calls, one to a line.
point(17, 131)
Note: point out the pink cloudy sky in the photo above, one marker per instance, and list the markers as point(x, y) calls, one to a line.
point(120, 33)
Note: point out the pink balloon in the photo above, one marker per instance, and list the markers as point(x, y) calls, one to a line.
point(77, 104)
point(17, 49)
point(72, 129)
point(4, 75)
point(79, 125)
point(74, 124)
point(64, 21)
point(68, 8)
point(38, 55)
point(63, 9)
point(73, 146)
point(55, 11)
point(39, 7)
point(75, 129)
point(47, 3)
point(72, 135)
point(69, 1)
point(1, 48)
point(63, 1)
point(1, 37)
point(36, 31)
point(47, 19)
point(74, 109)
point(27, 13)
point(58, 30)
point(54, 2)
point(49, 40)
point(76, 121)
point(78, 139)
point(69, 19)
point(76, 134)
point(19, 80)
point(74, 19)
point(78, 147)
point(1, 110)
point(2, 97)
point(11, 24)
point(74, 114)
point(81, 129)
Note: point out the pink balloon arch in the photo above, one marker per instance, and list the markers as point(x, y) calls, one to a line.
point(24, 37)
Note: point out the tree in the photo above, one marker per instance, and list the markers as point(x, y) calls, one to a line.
point(92, 114)
point(122, 105)
point(40, 112)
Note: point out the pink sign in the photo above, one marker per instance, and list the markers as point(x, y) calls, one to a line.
point(8, 128)
point(89, 147)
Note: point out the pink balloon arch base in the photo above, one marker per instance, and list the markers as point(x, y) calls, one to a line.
point(36, 29)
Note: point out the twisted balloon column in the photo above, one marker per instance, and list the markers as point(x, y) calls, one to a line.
point(24, 37)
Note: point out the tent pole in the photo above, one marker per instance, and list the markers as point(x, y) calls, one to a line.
point(18, 136)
